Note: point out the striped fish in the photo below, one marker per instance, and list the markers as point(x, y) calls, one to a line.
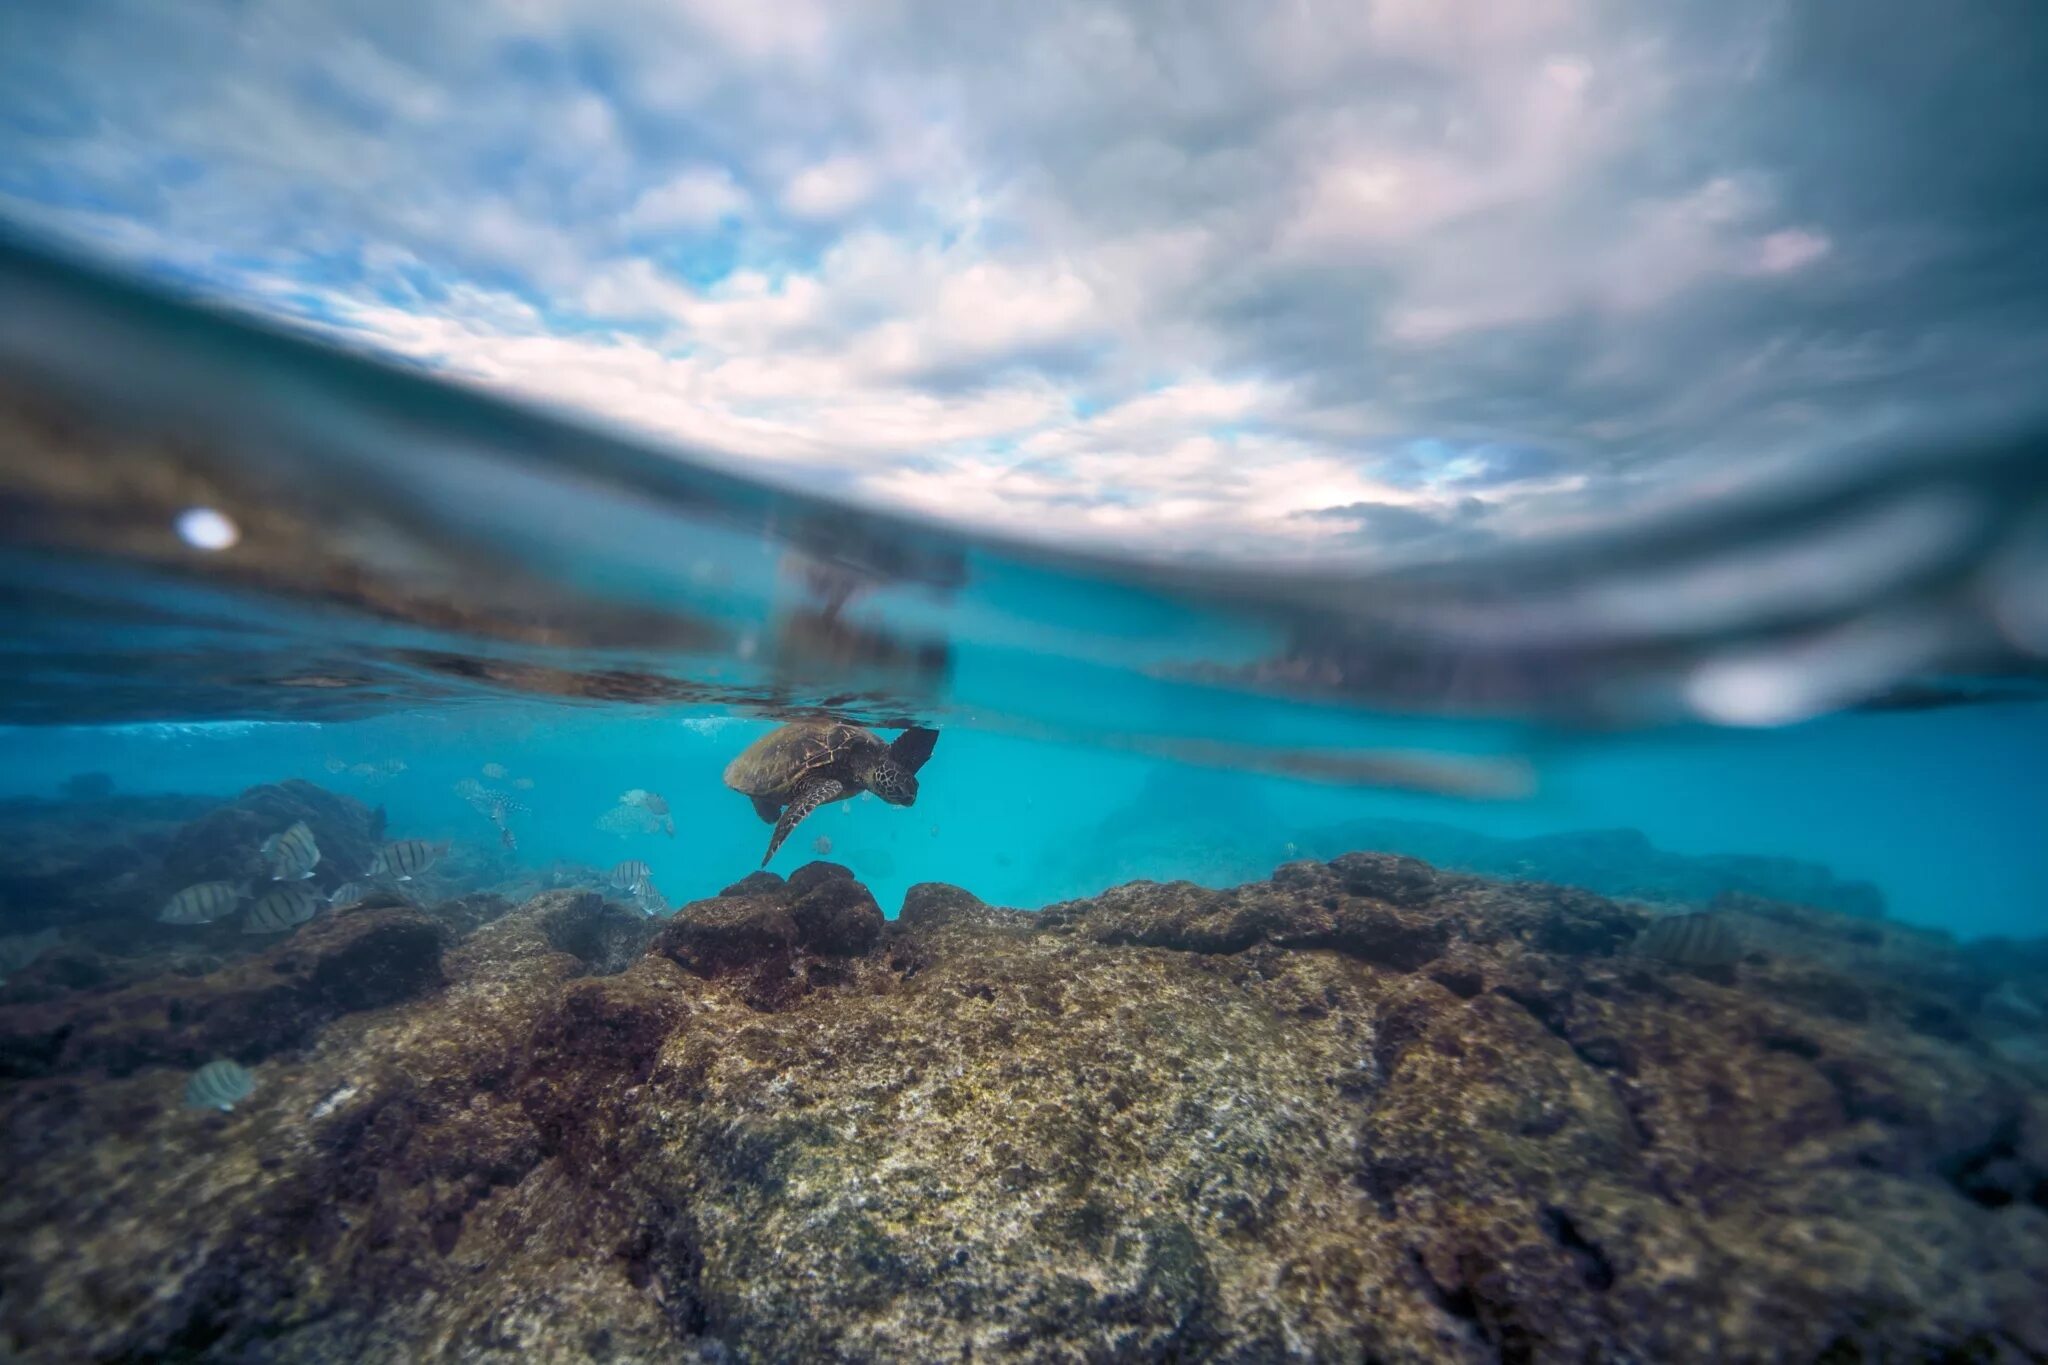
point(407, 856)
point(202, 904)
point(348, 893)
point(291, 853)
point(219, 1085)
point(649, 898)
point(631, 875)
point(281, 908)
point(1702, 940)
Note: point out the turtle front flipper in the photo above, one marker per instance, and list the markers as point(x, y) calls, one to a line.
point(809, 799)
point(913, 748)
point(767, 807)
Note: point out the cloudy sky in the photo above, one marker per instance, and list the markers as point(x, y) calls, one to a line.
point(1390, 277)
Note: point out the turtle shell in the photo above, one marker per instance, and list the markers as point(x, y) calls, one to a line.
point(779, 761)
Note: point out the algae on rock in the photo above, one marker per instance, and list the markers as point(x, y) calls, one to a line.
point(1363, 1109)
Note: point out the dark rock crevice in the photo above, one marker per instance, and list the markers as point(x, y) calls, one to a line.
point(1594, 1266)
point(605, 936)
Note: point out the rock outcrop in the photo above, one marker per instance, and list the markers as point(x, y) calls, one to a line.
point(1614, 862)
point(1364, 1109)
point(247, 1010)
point(98, 869)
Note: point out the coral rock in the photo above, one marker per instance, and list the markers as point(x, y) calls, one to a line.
point(247, 1010)
point(755, 884)
point(728, 935)
point(930, 906)
point(223, 844)
point(834, 914)
point(1386, 877)
point(589, 1051)
point(1358, 1111)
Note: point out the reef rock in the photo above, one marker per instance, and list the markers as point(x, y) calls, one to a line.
point(1364, 1109)
point(246, 1010)
point(68, 863)
point(100, 868)
point(1613, 862)
point(223, 844)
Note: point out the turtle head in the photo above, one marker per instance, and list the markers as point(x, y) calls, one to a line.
point(891, 781)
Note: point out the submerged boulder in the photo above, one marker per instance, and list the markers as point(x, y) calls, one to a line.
point(781, 938)
point(834, 915)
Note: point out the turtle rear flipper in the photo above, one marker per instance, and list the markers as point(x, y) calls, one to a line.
point(807, 800)
point(767, 807)
point(913, 748)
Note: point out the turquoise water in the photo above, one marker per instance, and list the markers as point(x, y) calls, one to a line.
point(1942, 810)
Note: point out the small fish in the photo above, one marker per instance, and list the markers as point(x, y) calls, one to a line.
point(405, 857)
point(498, 809)
point(627, 820)
point(649, 898)
point(631, 875)
point(18, 951)
point(495, 771)
point(291, 853)
point(348, 893)
point(202, 904)
point(489, 802)
point(281, 908)
point(391, 766)
point(336, 765)
point(219, 1085)
point(822, 844)
point(1701, 940)
point(524, 784)
point(364, 770)
point(655, 805)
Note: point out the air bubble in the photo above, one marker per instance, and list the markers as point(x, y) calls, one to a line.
point(205, 528)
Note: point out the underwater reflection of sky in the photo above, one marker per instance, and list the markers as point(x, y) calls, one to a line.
point(1398, 279)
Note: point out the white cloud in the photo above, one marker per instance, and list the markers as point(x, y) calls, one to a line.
point(785, 30)
point(1789, 249)
point(829, 189)
point(700, 197)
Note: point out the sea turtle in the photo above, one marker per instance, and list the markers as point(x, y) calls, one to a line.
point(796, 768)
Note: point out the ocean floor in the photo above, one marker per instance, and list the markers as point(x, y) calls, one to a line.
point(1361, 1109)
